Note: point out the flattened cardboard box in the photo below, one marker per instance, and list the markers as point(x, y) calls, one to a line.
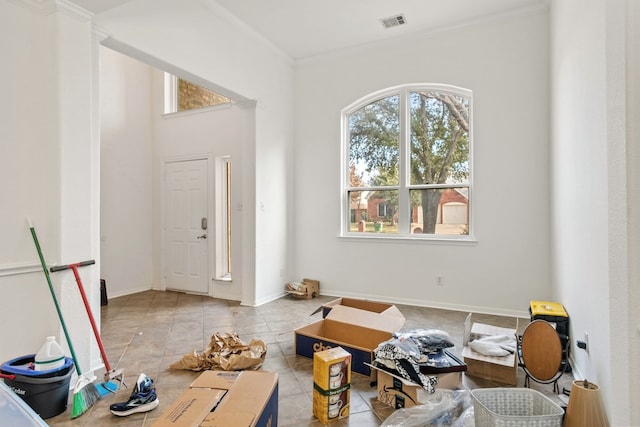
point(373, 306)
point(357, 331)
point(499, 369)
point(222, 398)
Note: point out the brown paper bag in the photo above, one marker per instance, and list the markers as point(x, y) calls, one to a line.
point(225, 352)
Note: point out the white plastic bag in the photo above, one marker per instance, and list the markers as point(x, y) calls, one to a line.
point(443, 408)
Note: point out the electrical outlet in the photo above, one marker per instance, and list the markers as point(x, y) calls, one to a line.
point(586, 339)
point(439, 281)
point(584, 344)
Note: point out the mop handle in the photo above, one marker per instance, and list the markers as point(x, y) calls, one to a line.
point(55, 300)
point(74, 268)
point(68, 267)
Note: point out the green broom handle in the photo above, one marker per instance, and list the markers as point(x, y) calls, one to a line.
point(55, 300)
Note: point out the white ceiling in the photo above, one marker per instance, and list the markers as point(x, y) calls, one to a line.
point(306, 28)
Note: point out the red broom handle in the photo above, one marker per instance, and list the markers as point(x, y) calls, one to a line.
point(74, 268)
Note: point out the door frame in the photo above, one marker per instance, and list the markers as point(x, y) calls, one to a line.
point(210, 230)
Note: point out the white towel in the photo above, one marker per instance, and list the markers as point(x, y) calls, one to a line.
point(494, 345)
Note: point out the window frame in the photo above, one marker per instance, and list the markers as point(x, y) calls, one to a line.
point(171, 98)
point(404, 187)
point(223, 212)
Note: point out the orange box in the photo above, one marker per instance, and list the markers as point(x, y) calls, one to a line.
point(308, 289)
point(223, 398)
point(499, 369)
point(398, 392)
point(355, 330)
point(361, 304)
point(331, 384)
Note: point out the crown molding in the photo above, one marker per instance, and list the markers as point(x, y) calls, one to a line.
point(48, 7)
point(100, 33)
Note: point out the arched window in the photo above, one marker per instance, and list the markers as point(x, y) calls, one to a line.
point(408, 149)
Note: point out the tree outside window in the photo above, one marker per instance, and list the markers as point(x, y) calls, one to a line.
point(408, 152)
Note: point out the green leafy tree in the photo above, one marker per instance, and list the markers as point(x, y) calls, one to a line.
point(439, 145)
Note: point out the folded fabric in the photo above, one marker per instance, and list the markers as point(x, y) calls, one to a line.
point(426, 340)
point(494, 345)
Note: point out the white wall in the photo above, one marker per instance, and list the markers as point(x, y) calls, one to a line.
point(29, 172)
point(49, 172)
point(589, 208)
point(633, 165)
point(232, 57)
point(505, 64)
point(126, 233)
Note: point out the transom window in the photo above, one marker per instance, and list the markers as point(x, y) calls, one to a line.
point(182, 95)
point(407, 157)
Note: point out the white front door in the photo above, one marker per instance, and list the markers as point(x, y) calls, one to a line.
point(186, 228)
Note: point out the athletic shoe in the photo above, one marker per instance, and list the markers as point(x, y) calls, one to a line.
point(142, 399)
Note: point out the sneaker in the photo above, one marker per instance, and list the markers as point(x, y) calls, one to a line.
point(142, 399)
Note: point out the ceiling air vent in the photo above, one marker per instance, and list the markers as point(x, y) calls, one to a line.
point(393, 21)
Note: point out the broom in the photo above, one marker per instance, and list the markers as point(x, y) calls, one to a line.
point(107, 386)
point(85, 393)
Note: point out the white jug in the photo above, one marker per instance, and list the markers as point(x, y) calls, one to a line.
point(50, 356)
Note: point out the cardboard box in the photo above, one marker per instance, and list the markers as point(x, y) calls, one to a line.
point(398, 392)
point(331, 384)
point(223, 398)
point(499, 369)
point(373, 306)
point(308, 289)
point(355, 330)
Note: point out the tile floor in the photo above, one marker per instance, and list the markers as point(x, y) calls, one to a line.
point(148, 331)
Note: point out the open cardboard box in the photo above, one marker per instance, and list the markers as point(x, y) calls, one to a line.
point(399, 392)
point(499, 369)
point(308, 289)
point(357, 331)
point(225, 398)
point(372, 306)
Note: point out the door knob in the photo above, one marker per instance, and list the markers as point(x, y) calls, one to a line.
point(204, 236)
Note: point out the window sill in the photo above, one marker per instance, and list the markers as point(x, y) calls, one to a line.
point(200, 110)
point(382, 238)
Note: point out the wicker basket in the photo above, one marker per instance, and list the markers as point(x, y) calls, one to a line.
point(514, 407)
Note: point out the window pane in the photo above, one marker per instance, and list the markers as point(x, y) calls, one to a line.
point(373, 211)
point(227, 201)
point(440, 211)
point(439, 138)
point(192, 96)
point(223, 213)
point(373, 143)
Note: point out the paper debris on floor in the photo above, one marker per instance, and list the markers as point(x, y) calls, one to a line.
point(226, 352)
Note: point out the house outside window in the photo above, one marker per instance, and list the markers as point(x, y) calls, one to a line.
point(407, 157)
point(382, 209)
